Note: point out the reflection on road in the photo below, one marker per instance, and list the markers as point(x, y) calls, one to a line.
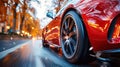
point(32, 54)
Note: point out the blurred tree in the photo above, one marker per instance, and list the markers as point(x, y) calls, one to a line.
point(24, 8)
point(59, 4)
point(14, 14)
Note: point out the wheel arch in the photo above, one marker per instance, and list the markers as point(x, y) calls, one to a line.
point(67, 10)
point(112, 26)
point(79, 14)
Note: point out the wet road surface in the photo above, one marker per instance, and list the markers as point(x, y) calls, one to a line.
point(32, 54)
point(6, 44)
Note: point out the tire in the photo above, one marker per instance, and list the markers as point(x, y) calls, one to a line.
point(73, 38)
point(43, 42)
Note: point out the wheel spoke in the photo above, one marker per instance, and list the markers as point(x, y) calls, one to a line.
point(73, 42)
point(74, 29)
point(66, 47)
point(71, 34)
point(66, 26)
point(71, 25)
point(64, 32)
point(69, 22)
point(71, 48)
point(65, 42)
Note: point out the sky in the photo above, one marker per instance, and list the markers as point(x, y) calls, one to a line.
point(41, 10)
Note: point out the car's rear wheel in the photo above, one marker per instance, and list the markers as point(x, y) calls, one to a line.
point(44, 44)
point(73, 38)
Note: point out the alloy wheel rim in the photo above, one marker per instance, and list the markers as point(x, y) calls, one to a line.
point(69, 36)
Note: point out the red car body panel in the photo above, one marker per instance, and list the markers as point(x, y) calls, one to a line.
point(52, 32)
point(97, 16)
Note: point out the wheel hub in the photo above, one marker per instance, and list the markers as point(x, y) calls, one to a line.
point(66, 37)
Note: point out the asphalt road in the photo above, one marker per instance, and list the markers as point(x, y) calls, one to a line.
point(6, 44)
point(30, 53)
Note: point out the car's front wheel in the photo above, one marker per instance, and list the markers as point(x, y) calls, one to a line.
point(73, 38)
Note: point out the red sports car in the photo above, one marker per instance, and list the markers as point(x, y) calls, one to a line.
point(84, 25)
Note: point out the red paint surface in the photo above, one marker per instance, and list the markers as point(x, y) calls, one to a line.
point(97, 16)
